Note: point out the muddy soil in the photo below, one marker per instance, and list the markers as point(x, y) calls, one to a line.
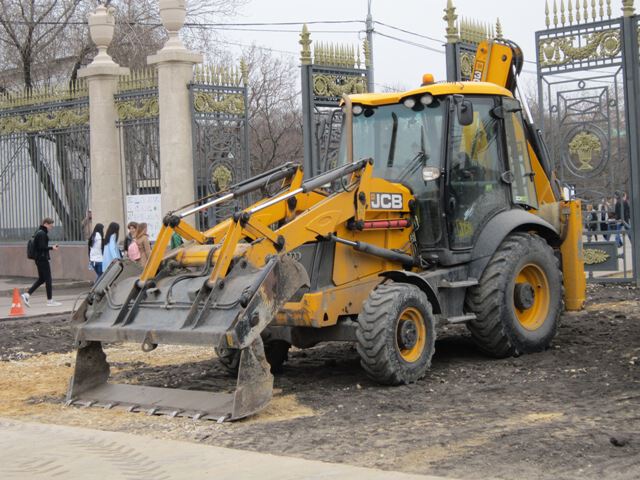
point(572, 412)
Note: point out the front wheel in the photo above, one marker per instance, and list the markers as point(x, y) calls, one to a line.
point(396, 334)
point(518, 300)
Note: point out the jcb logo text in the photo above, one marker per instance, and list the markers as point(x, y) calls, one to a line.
point(386, 201)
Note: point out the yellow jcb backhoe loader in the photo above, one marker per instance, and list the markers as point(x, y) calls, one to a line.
point(442, 208)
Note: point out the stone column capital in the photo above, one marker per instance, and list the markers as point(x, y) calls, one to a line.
point(101, 70)
point(175, 56)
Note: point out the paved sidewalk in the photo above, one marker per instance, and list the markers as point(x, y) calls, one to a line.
point(39, 451)
point(7, 284)
point(38, 302)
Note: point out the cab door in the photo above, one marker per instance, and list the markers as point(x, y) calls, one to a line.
point(523, 189)
point(476, 190)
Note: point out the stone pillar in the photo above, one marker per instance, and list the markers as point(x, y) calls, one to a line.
point(175, 71)
point(107, 200)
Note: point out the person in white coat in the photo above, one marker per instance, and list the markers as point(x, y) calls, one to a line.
point(95, 249)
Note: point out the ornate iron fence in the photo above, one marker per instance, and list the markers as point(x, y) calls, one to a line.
point(138, 123)
point(44, 162)
point(585, 108)
point(220, 135)
point(463, 38)
point(333, 70)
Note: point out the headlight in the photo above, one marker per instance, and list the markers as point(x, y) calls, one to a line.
point(409, 102)
point(426, 99)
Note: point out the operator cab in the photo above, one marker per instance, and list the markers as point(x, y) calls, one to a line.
point(463, 155)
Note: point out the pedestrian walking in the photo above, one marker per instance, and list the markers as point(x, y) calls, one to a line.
point(87, 222)
point(131, 234)
point(41, 256)
point(144, 246)
point(626, 214)
point(95, 249)
point(592, 222)
point(622, 212)
point(110, 250)
point(603, 216)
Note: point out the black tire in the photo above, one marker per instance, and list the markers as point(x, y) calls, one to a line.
point(387, 317)
point(509, 322)
point(229, 359)
point(276, 352)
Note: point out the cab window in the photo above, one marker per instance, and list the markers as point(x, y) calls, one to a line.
point(476, 191)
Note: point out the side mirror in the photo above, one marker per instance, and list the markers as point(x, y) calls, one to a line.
point(465, 112)
point(430, 173)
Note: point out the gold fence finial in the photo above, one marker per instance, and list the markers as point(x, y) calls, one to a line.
point(305, 42)
point(628, 9)
point(601, 9)
point(450, 17)
point(555, 14)
point(498, 28)
point(593, 10)
point(609, 9)
point(570, 12)
point(547, 20)
point(563, 18)
point(578, 13)
point(585, 6)
point(244, 70)
point(367, 53)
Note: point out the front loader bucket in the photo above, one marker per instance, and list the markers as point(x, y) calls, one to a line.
point(181, 310)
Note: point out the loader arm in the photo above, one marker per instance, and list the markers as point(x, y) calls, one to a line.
point(246, 278)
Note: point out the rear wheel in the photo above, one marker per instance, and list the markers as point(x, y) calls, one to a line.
point(396, 334)
point(518, 300)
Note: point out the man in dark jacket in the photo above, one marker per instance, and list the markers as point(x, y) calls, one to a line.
point(623, 215)
point(42, 248)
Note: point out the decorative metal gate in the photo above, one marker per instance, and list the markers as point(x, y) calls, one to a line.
point(582, 99)
point(44, 162)
point(220, 135)
point(138, 123)
point(333, 71)
point(463, 38)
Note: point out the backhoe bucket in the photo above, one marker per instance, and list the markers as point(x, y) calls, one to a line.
point(182, 310)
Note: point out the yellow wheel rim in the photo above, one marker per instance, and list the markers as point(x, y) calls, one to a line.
point(411, 334)
point(534, 312)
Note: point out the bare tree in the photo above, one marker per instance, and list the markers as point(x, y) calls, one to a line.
point(275, 117)
point(30, 29)
point(42, 37)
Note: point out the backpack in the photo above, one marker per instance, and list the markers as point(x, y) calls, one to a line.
point(133, 251)
point(31, 247)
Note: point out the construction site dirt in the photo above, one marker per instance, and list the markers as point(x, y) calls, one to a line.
point(572, 412)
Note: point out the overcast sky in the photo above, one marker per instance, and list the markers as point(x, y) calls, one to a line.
point(396, 63)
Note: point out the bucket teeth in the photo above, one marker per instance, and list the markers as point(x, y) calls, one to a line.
point(89, 387)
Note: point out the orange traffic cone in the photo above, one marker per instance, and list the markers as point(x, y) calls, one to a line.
point(17, 309)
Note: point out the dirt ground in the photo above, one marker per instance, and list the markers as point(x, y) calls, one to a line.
point(572, 412)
